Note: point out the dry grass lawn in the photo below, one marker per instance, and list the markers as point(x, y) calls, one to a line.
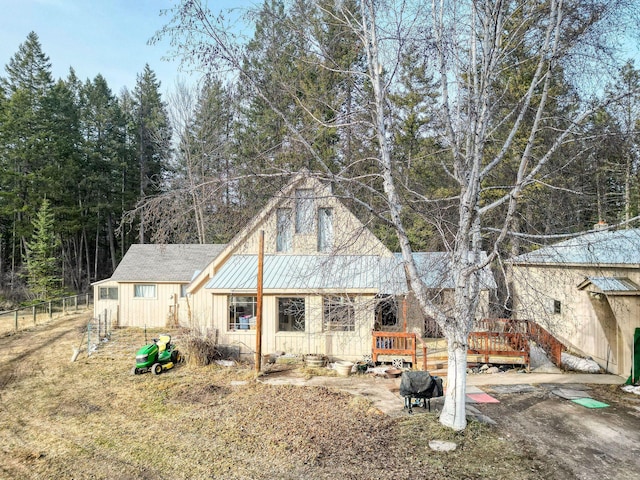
point(92, 419)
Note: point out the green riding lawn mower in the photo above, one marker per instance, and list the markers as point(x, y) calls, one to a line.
point(157, 357)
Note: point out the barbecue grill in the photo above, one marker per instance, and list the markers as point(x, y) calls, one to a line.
point(421, 386)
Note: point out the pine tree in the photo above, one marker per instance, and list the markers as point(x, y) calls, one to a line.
point(24, 149)
point(43, 273)
point(153, 136)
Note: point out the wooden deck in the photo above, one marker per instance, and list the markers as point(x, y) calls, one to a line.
point(501, 341)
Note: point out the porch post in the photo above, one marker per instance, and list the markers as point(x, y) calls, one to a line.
point(259, 303)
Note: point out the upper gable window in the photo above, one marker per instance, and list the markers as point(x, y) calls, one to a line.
point(325, 229)
point(284, 237)
point(304, 210)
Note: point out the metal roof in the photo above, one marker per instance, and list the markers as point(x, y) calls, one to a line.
point(620, 247)
point(384, 275)
point(614, 284)
point(435, 270)
point(164, 263)
point(300, 272)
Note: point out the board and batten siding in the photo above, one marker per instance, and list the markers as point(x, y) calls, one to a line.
point(103, 306)
point(336, 345)
point(150, 312)
point(606, 339)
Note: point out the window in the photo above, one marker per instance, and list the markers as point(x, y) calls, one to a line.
point(108, 293)
point(304, 211)
point(557, 307)
point(183, 290)
point(242, 313)
point(325, 229)
point(284, 233)
point(291, 314)
point(144, 291)
point(339, 314)
point(386, 312)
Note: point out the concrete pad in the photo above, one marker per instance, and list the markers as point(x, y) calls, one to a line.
point(574, 386)
point(474, 389)
point(542, 378)
point(517, 388)
point(570, 393)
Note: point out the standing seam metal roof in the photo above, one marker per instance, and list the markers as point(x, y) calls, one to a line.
point(385, 275)
point(621, 247)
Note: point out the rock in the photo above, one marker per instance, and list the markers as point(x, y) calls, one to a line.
point(484, 367)
point(442, 446)
point(492, 370)
point(237, 383)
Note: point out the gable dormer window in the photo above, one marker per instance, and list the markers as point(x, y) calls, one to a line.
point(304, 210)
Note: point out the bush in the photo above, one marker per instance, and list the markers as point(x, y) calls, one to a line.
point(200, 349)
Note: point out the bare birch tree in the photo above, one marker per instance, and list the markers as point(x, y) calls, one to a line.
point(472, 46)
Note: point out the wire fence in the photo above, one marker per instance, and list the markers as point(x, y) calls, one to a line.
point(40, 313)
point(99, 329)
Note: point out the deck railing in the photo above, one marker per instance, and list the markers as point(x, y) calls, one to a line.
point(394, 343)
point(500, 344)
point(503, 337)
point(547, 342)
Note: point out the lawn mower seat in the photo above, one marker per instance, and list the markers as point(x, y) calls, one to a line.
point(163, 342)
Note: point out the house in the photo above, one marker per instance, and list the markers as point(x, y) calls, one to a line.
point(586, 292)
point(328, 281)
point(149, 286)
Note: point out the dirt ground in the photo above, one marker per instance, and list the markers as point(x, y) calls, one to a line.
point(93, 419)
point(578, 442)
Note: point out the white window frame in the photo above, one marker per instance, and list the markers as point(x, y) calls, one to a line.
point(284, 230)
point(325, 229)
point(290, 316)
point(108, 291)
point(338, 313)
point(305, 211)
point(145, 290)
point(245, 320)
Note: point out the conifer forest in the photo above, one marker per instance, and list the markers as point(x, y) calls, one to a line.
point(409, 109)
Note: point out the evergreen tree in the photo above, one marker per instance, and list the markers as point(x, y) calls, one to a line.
point(43, 270)
point(152, 137)
point(25, 131)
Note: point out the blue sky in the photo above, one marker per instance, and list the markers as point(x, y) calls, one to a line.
point(95, 36)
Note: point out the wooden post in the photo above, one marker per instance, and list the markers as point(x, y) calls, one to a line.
point(15, 320)
point(424, 357)
point(34, 314)
point(259, 304)
point(404, 314)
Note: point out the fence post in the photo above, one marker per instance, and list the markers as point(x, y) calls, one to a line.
point(34, 314)
point(50, 310)
point(15, 320)
point(75, 301)
point(89, 338)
